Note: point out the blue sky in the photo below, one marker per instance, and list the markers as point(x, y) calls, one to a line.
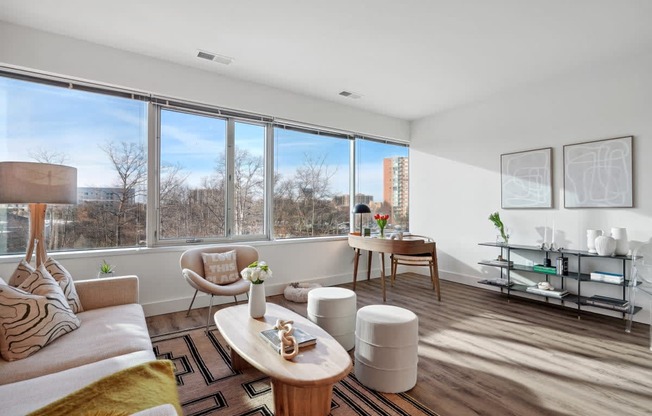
point(75, 124)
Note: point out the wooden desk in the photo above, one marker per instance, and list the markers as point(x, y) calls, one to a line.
point(383, 245)
point(301, 386)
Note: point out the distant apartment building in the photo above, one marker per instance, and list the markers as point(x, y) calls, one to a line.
point(93, 194)
point(395, 186)
point(344, 200)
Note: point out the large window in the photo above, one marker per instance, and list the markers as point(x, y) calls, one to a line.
point(382, 181)
point(311, 184)
point(214, 174)
point(212, 177)
point(104, 137)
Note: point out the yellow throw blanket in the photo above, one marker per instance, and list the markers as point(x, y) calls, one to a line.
point(123, 393)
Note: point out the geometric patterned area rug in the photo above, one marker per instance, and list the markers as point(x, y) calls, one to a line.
point(208, 385)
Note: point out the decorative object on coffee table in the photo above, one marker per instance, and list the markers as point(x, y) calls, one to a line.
point(37, 184)
point(257, 272)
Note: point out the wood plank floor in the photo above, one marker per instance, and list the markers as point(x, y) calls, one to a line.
point(482, 355)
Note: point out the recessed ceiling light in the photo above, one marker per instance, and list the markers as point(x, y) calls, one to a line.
point(215, 57)
point(349, 94)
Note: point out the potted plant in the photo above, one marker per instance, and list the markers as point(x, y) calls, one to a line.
point(106, 269)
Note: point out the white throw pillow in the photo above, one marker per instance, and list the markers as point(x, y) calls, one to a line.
point(64, 278)
point(23, 271)
point(220, 268)
point(33, 315)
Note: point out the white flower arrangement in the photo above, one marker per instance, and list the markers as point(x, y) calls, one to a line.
point(257, 272)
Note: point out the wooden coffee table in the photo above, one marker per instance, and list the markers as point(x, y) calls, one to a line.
point(301, 386)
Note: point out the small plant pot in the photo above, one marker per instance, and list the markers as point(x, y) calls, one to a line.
point(101, 275)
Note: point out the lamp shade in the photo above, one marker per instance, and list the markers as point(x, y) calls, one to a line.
point(361, 209)
point(41, 183)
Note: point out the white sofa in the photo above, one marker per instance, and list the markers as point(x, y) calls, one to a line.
point(113, 336)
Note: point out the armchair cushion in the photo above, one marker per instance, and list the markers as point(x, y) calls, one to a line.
point(220, 268)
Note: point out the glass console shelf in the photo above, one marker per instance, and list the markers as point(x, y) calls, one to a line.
point(574, 295)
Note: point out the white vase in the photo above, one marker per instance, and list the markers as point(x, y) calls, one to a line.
point(257, 304)
point(605, 245)
point(591, 235)
point(622, 244)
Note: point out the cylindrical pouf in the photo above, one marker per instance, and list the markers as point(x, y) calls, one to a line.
point(386, 343)
point(334, 309)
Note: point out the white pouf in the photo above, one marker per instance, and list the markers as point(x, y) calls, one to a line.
point(386, 348)
point(334, 309)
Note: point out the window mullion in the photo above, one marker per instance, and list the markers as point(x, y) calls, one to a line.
point(230, 175)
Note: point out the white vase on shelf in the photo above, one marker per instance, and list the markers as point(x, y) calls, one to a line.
point(622, 244)
point(591, 235)
point(605, 245)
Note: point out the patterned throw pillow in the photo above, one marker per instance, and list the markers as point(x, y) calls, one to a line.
point(64, 278)
point(220, 268)
point(30, 321)
point(22, 272)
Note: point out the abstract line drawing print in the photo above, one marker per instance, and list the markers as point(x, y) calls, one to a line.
point(526, 179)
point(598, 174)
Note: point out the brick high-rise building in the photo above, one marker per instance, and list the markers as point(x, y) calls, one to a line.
point(395, 187)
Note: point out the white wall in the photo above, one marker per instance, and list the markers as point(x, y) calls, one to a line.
point(459, 151)
point(327, 261)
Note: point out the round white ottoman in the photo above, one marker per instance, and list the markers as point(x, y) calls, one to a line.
point(333, 309)
point(386, 342)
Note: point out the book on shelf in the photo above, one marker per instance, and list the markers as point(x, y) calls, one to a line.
point(500, 263)
point(544, 269)
point(303, 338)
point(606, 299)
point(496, 282)
point(620, 305)
point(545, 292)
point(606, 277)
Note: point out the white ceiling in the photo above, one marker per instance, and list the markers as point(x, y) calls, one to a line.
point(408, 59)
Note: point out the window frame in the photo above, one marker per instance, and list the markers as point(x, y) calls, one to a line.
point(229, 153)
point(154, 105)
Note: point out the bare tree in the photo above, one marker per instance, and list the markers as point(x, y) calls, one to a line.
point(130, 163)
point(48, 156)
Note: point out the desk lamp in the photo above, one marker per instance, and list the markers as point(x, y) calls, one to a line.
point(37, 184)
point(361, 209)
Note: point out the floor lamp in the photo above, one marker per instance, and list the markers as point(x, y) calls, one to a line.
point(37, 184)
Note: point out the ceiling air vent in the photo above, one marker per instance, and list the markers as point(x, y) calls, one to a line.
point(226, 60)
point(349, 94)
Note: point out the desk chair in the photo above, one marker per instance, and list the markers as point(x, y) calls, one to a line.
point(425, 255)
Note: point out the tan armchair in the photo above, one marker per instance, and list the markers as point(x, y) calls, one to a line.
point(192, 270)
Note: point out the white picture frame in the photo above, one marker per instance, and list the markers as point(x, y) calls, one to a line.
point(598, 174)
point(526, 179)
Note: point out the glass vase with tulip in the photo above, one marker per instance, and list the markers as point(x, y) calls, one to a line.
point(381, 220)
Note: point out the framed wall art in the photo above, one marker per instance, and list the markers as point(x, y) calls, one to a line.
point(598, 174)
point(526, 179)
